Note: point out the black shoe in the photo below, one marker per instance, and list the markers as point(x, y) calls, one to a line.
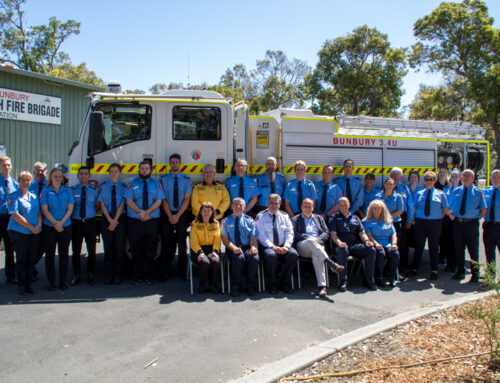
point(136, 282)
point(252, 293)
point(12, 281)
point(370, 286)
point(287, 290)
point(214, 290)
point(392, 283)
point(91, 281)
point(63, 286)
point(35, 275)
point(118, 281)
point(473, 279)
point(30, 290)
point(273, 291)
point(22, 292)
point(342, 287)
point(76, 280)
point(52, 287)
point(411, 273)
point(380, 282)
point(163, 279)
point(235, 292)
point(449, 269)
point(149, 281)
point(433, 276)
point(458, 276)
point(108, 281)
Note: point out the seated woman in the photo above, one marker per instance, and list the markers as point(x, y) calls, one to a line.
point(24, 229)
point(205, 247)
point(380, 230)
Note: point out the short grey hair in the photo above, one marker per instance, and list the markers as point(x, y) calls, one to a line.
point(396, 171)
point(39, 164)
point(208, 167)
point(238, 199)
point(469, 171)
point(495, 171)
point(272, 159)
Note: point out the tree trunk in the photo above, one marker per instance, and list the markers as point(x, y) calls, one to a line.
point(496, 132)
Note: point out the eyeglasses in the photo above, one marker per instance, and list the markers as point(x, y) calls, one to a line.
point(428, 179)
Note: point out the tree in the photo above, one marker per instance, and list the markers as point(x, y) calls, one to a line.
point(458, 39)
point(279, 79)
point(444, 102)
point(158, 88)
point(36, 48)
point(77, 73)
point(134, 91)
point(358, 74)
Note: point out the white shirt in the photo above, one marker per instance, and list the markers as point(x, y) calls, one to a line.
point(264, 224)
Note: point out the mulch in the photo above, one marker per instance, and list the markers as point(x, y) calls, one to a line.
point(448, 333)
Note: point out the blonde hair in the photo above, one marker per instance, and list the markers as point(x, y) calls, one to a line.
point(386, 216)
point(299, 162)
point(23, 174)
point(5, 158)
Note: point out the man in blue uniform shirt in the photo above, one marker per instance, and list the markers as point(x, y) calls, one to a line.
point(328, 194)
point(84, 225)
point(352, 187)
point(243, 186)
point(175, 217)
point(348, 234)
point(7, 186)
point(406, 218)
point(298, 189)
point(144, 197)
point(275, 235)
point(468, 206)
point(491, 225)
point(39, 183)
point(239, 236)
point(270, 182)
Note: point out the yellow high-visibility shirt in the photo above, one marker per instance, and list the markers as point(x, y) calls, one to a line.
point(204, 234)
point(216, 193)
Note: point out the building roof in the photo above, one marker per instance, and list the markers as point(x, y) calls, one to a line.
point(49, 79)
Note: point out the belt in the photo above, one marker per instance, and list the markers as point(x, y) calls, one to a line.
point(467, 219)
point(84, 220)
point(492, 223)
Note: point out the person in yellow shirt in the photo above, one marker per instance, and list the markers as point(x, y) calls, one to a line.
point(211, 191)
point(205, 247)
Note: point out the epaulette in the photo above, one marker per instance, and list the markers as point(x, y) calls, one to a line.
point(92, 185)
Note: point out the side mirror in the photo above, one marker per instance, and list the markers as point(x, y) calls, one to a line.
point(96, 133)
point(219, 165)
point(89, 162)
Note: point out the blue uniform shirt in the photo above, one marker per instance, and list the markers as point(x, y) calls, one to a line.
point(291, 193)
point(357, 192)
point(369, 197)
point(57, 203)
point(448, 190)
point(347, 228)
point(333, 193)
point(28, 207)
point(414, 193)
point(474, 203)
point(5, 191)
point(439, 202)
point(265, 187)
point(35, 187)
point(184, 187)
point(409, 208)
point(134, 193)
point(105, 194)
point(91, 194)
point(382, 232)
point(246, 226)
point(250, 188)
point(393, 203)
point(488, 193)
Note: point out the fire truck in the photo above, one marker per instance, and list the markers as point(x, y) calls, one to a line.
point(206, 128)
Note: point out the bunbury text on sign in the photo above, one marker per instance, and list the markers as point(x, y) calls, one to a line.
point(23, 106)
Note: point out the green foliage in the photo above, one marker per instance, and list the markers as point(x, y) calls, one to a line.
point(77, 73)
point(358, 74)
point(158, 88)
point(491, 317)
point(35, 48)
point(459, 40)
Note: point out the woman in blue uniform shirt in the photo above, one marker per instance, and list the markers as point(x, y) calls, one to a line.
point(24, 229)
point(113, 224)
point(446, 241)
point(370, 193)
point(393, 201)
point(430, 207)
point(57, 205)
point(380, 230)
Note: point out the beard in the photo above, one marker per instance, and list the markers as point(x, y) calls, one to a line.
point(145, 177)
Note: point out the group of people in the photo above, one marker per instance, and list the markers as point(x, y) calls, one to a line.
point(257, 219)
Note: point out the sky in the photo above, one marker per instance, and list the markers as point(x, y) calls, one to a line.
point(145, 42)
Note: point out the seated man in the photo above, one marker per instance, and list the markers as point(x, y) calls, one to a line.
point(311, 234)
point(240, 239)
point(275, 235)
point(347, 232)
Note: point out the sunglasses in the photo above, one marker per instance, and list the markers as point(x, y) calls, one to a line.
point(428, 179)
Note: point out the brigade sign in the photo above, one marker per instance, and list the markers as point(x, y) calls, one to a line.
point(22, 106)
